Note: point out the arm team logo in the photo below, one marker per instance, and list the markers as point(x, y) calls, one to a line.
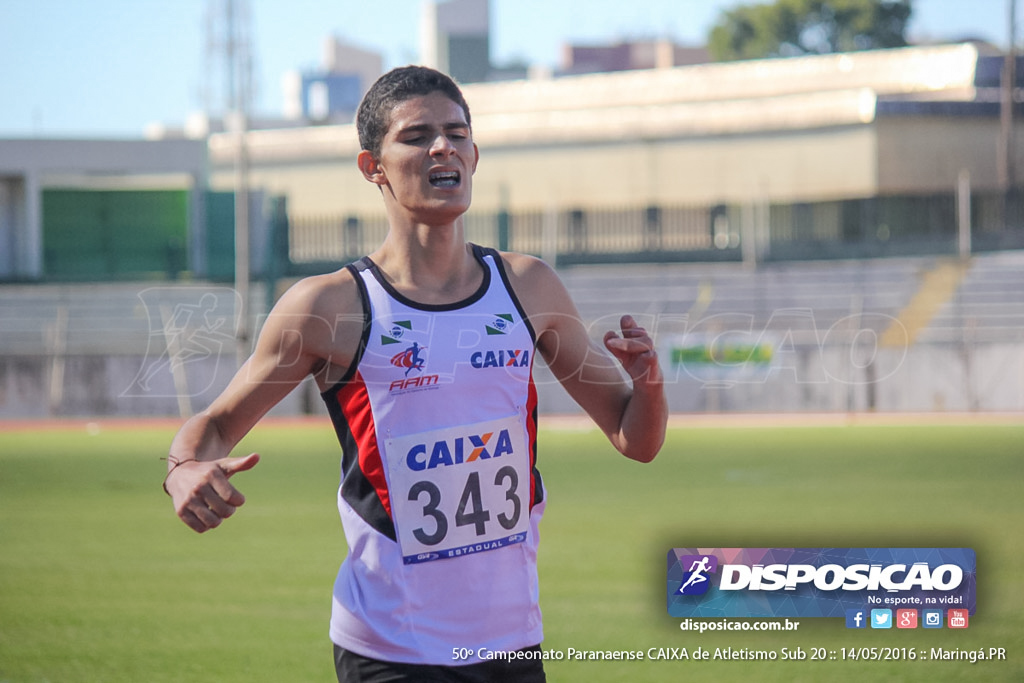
point(410, 359)
point(696, 580)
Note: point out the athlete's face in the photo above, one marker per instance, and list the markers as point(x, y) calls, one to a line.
point(427, 159)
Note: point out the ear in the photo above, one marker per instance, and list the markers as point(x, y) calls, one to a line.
point(476, 157)
point(370, 167)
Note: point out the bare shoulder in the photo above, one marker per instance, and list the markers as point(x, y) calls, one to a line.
point(541, 292)
point(531, 277)
point(327, 295)
point(319, 318)
point(523, 266)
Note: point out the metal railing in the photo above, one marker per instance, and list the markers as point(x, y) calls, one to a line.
point(898, 225)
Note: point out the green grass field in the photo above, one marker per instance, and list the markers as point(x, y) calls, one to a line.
point(100, 582)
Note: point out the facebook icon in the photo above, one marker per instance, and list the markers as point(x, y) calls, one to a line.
point(856, 618)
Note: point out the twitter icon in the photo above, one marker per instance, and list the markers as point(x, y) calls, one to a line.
point(881, 618)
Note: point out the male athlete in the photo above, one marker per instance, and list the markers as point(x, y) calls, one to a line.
point(423, 352)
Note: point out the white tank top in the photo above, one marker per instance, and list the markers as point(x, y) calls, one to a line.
point(440, 497)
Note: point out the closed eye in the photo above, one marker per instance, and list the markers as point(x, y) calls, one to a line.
point(416, 135)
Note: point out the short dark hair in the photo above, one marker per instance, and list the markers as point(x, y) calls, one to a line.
point(374, 115)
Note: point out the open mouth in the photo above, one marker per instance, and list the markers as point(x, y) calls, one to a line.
point(445, 178)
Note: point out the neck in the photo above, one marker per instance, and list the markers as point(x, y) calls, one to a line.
point(429, 264)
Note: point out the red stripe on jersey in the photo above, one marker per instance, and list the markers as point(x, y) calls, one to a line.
point(354, 401)
point(531, 431)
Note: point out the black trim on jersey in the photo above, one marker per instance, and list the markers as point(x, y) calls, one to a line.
point(488, 251)
point(364, 339)
point(398, 296)
point(356, 489)
point(538, 484)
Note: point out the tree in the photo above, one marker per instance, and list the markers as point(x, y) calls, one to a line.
point(791, 28)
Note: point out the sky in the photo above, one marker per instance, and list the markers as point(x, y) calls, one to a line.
point(109, 68)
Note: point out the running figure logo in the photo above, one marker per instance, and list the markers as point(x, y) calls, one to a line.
point(189, 329)
point(695, 580)
point(410, 359)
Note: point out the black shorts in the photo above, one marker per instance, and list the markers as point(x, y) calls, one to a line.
point(353, 668)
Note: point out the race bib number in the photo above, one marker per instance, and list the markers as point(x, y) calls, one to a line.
point(460, 490)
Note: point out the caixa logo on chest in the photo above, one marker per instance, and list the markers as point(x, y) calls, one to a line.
point(501, 358)
point(461, 449)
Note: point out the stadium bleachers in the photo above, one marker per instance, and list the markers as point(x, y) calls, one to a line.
point(825, 293)
point(101, 319)
point(988, 306)
point(811, 305)
point(990, 300)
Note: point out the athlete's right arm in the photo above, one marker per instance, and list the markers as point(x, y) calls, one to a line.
point(313, 330)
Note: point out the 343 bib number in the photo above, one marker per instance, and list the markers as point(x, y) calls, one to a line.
point(460, 491)
point(471, 510)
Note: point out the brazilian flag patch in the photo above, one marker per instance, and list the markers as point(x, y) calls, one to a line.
point(502, 323)
point(397, 331)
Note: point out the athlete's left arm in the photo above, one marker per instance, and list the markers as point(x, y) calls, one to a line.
point(633, 414)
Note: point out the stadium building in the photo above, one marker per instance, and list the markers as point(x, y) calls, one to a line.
point(777, 182)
